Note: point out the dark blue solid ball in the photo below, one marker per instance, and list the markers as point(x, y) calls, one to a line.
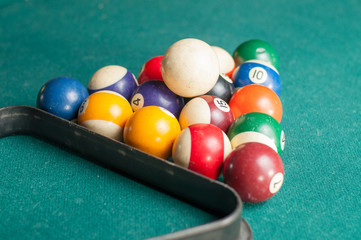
point(62, 96)
point(156, 93)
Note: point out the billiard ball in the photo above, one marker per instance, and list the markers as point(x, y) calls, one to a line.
point(105, 112)
point(256, 98)
point(113, 78)
point(62, 97)
point(255, 171)
point(257, 127)
point(255, 49)
point(156, 93)
point(206, 109)
point(226, 62)
point(190, 67)
point(258, 72)
point(234, 74)
point(201, 148)
point(151, 70)
point(153, 130)
point(224, 88)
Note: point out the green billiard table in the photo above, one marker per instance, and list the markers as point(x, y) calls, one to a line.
point(49, 189)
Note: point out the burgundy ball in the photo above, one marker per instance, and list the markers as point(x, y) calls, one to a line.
point(207, 109)
point(255, 171)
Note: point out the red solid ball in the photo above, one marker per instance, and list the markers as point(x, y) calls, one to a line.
point(202, 148)
point(255, 171)
point(151, 70)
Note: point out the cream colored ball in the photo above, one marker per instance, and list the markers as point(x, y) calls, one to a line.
point(190, 67)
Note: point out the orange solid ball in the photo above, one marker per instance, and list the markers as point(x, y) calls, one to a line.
point(105, 112)
point(153, 130)
point(256, 98)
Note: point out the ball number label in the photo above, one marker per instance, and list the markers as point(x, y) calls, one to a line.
point(221, 105)
point(257, 75)
point(137, 101)
point(83, 107)
point(276, 183)
point(283, 140)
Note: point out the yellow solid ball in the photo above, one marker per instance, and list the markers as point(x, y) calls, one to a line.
point(153, 130)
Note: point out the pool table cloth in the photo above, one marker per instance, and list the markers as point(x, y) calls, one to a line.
point(48, 192)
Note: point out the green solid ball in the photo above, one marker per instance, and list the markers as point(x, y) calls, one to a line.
point(257, 127)
point(255, 49)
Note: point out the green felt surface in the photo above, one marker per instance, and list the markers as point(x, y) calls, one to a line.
point(47, 192)
point(50, 193)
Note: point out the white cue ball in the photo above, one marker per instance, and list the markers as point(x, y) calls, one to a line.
point(190, 67)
